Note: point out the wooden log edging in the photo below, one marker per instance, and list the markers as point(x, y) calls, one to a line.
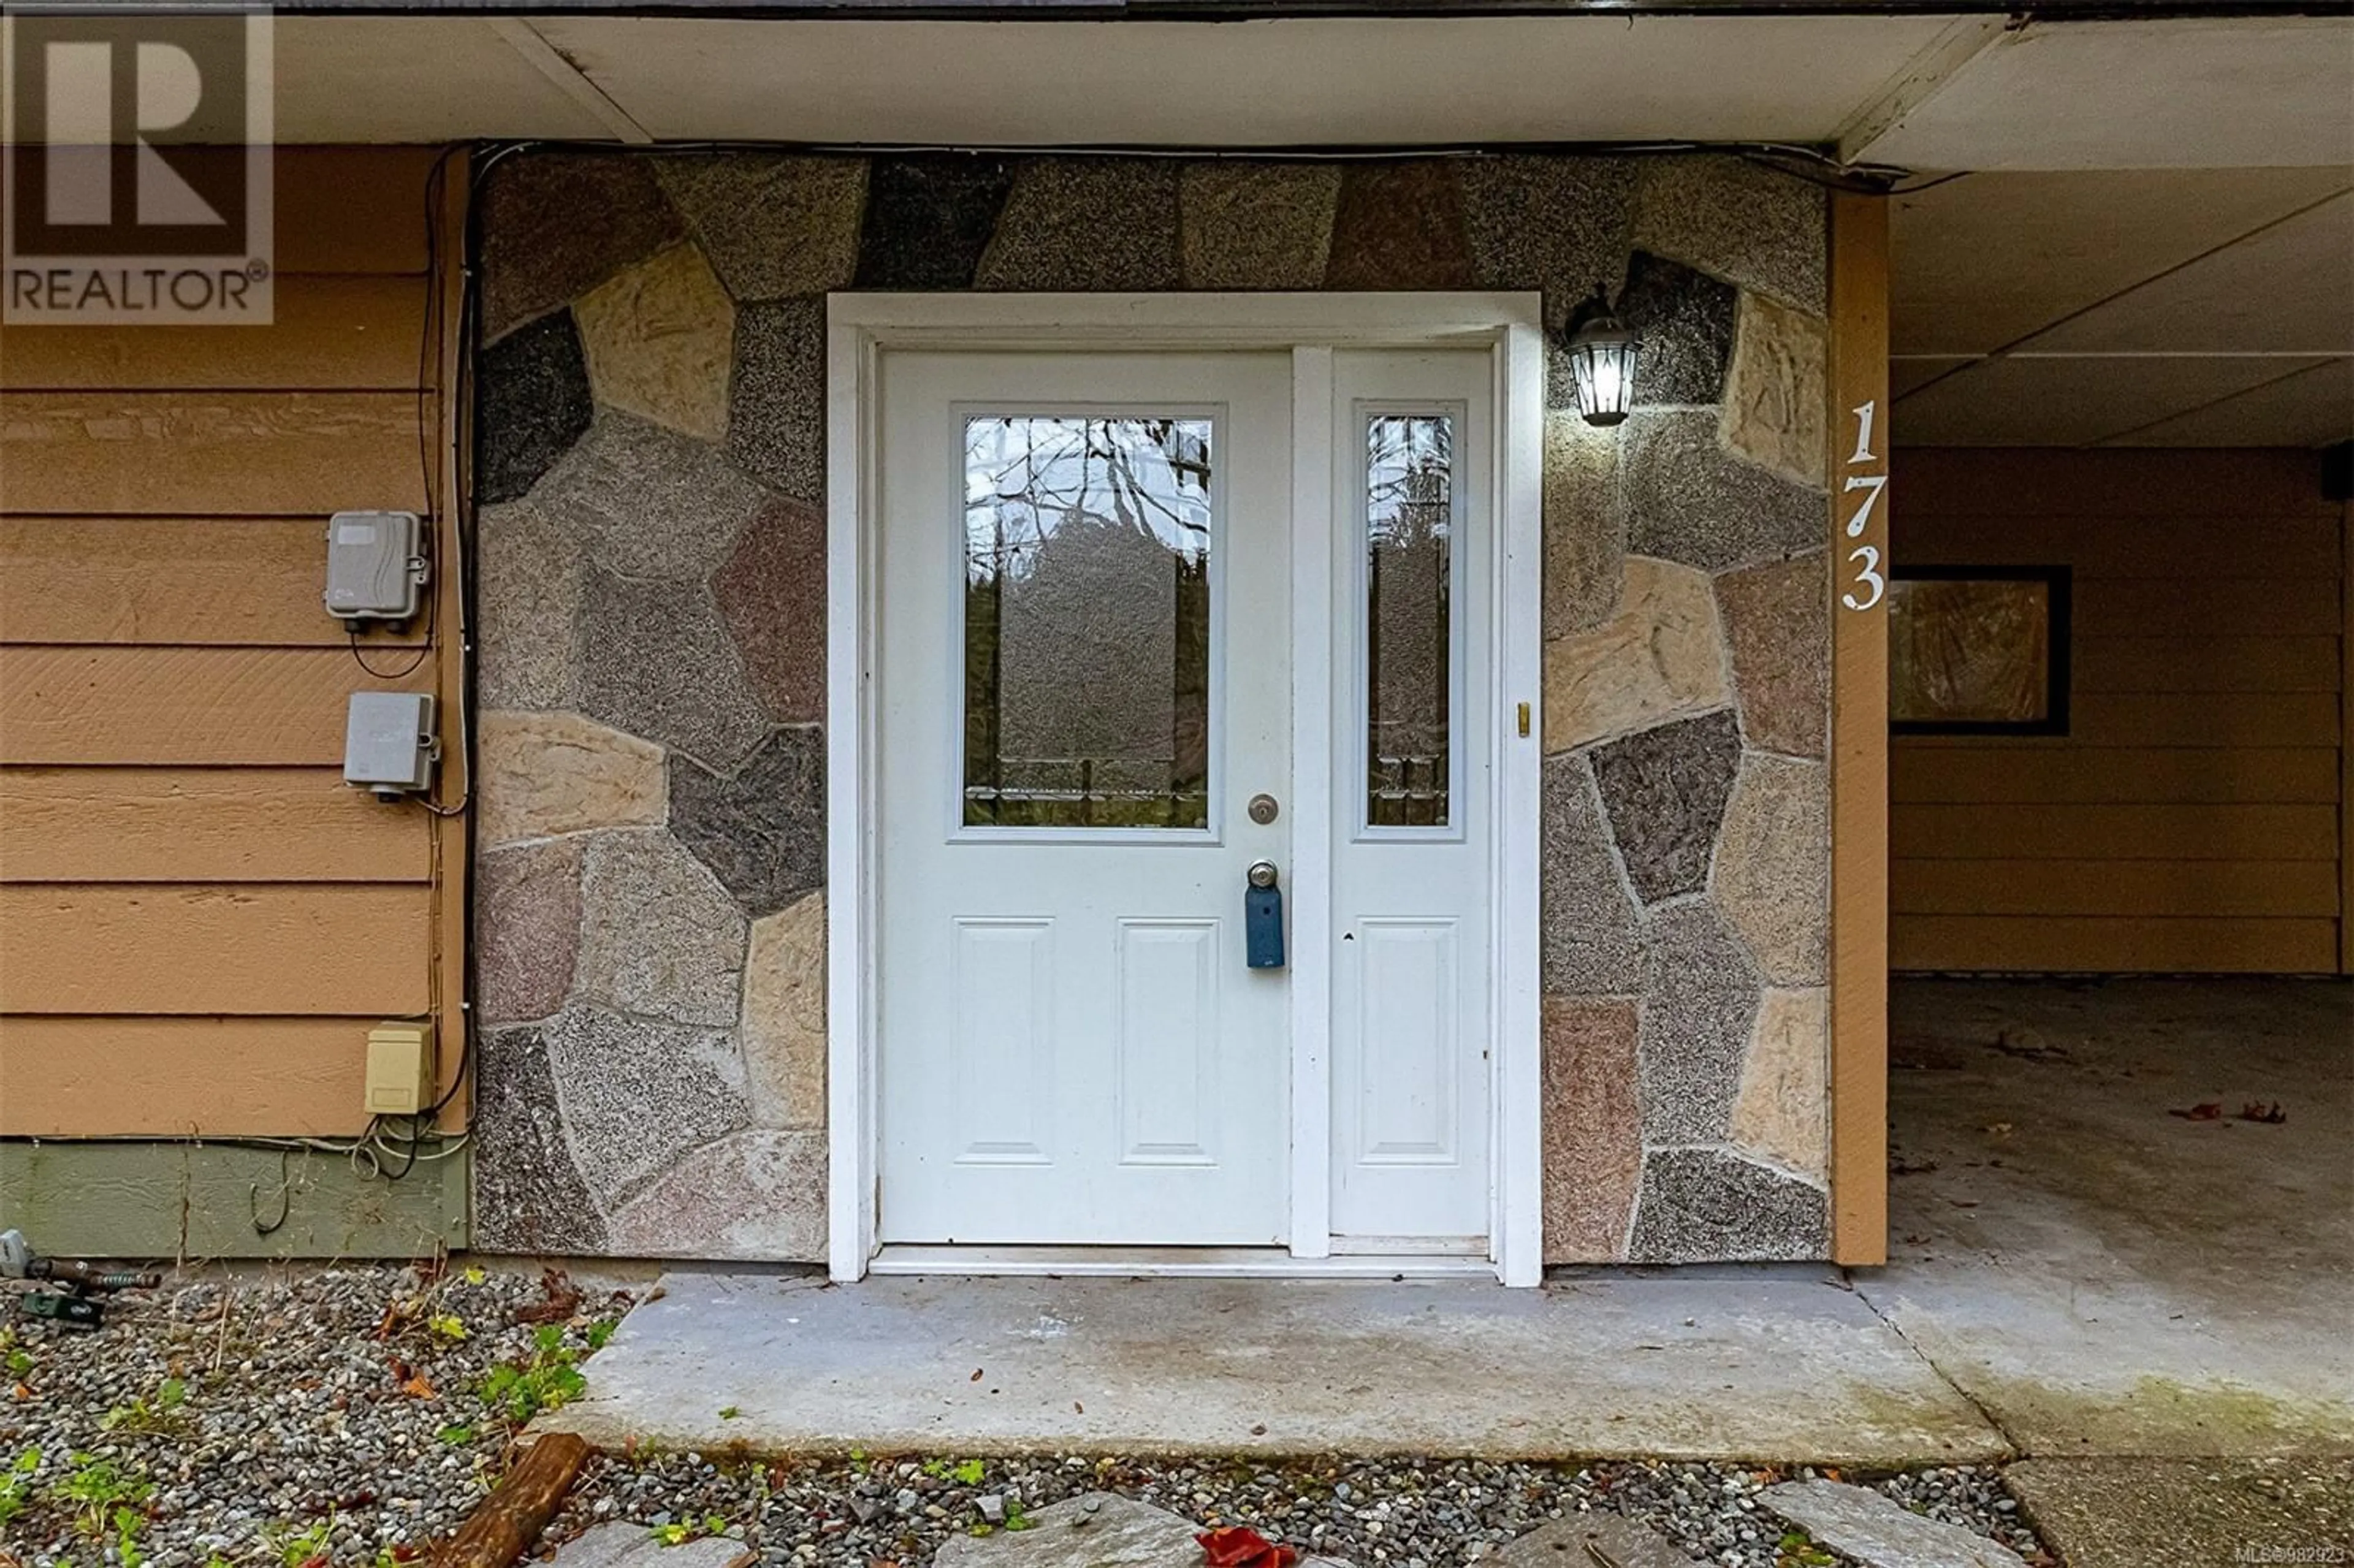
point(507, 1523)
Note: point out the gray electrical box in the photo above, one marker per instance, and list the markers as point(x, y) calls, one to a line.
point(388, 743)
point(374, 571)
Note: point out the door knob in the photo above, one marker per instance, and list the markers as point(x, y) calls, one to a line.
point(1262, 874)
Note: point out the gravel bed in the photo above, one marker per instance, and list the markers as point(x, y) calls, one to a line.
point(259, 1407)
point(289, 1415)
point(1401, 1513)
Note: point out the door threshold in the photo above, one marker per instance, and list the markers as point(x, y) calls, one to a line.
point(1166, 1262)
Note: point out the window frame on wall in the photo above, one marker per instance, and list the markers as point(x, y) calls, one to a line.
point(2058, 590)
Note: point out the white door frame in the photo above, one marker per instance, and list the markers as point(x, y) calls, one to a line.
point(860, 327)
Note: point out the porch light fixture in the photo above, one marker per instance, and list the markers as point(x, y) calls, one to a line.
point(1602, 355)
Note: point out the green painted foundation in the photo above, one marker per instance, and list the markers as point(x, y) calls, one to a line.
point(190, 1202)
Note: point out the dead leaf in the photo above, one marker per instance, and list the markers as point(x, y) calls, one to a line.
point(419, 1387)
point(1077, 1408)
point(1239, 1546)
point(976, 1375)
point(2205, 1110)
point(561, 1299)
point(2270, 1114)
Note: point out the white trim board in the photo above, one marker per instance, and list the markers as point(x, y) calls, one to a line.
point(860, 328)
point(1170, 1262)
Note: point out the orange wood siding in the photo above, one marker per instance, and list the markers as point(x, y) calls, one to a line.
point(1860, 754)
point(2191, 818)
point(199, 921)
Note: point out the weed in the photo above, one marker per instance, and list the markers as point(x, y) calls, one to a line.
point(295, 1547)
point(16, 1485)
point(13, 1356)
point(520, 1390)
point(1796, 1549)
point(128, 1553)
point(685, 1530)
point(95, 1488)
point(730, 1412)
point(967, 1473)
point(447, 1326)
point(597, 1332)
point(161, 1417)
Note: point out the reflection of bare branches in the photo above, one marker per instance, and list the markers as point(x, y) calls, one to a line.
point(1028, 475)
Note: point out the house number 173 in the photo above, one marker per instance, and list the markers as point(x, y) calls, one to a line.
point(1864, 558)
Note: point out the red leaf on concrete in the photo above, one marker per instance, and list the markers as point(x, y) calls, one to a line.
point(2205, 1110)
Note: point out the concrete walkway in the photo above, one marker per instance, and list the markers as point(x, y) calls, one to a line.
point(2075, 1273)
point(1784, 1364)
point(2105, 1276)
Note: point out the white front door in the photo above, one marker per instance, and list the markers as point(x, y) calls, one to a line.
point(1088, 675)
point(1085, 680)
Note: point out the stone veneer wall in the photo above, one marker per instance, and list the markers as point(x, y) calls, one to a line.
point(649, 914)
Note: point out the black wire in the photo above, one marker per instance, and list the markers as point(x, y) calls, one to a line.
point(430, 362)
point(457, 1079)
point(1931, 185)
point(423, 652)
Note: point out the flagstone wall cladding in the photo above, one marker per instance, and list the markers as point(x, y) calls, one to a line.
point(650, 907)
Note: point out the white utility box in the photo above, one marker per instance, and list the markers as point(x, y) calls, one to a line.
point(375, 569)
point(389, 745)
point(399, 1068)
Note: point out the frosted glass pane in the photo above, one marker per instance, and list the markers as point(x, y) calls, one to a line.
point(1409, 618)
point(1087, 621)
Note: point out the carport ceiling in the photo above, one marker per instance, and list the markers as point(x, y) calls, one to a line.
point(2149, 308)
point(2191, 303)
point(1929, 91)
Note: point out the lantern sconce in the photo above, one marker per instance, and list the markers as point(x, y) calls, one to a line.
point(1602, 356)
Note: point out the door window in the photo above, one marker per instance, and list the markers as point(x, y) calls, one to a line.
point(1408, 560)
point(1088, 620)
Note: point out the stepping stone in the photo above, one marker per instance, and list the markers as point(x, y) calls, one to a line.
point(1878, 1534)
point(1593, 1540)
point(1098, 1530)
point(635, 1546)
